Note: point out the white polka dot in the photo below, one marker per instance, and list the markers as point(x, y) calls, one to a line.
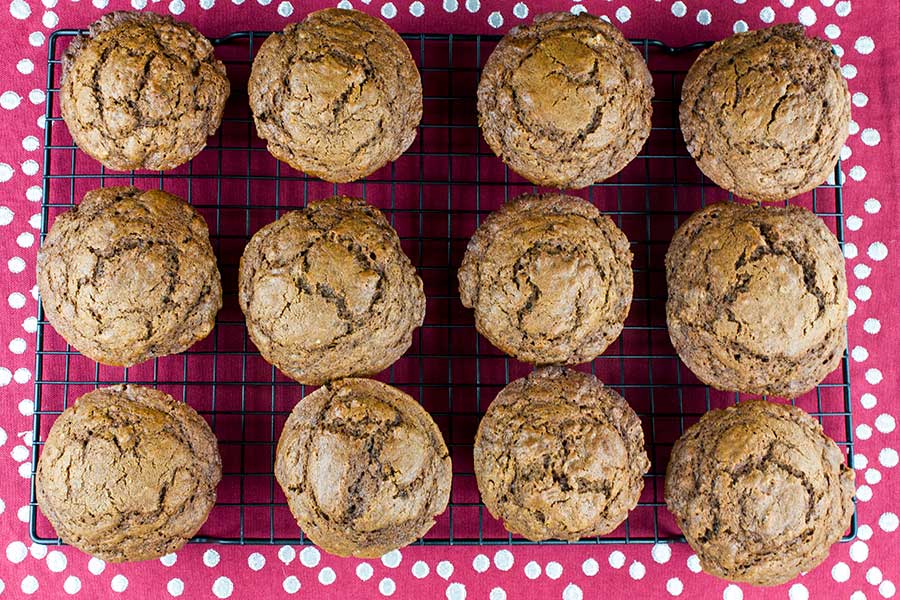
point(661, 553)
point(176, 7)
point(590, 567)
point(860, 99)
point(887, 589)
point(36, 97)
point(29, 584)
point(16, 300)
point(870, 137)
point(859, 354)
point(169, 559)
point(873, 376)
point(862, 271)
point(864, 533)
point(853, 127)
point(207, 4)
point(693, 563)
point(842, 8)
point(119, 583)
point(30, 143)
point(36, 38)
point(101, 4)
point(19, 453)
point(20, 9)
point(863, 293)
point(520, 10)
point(444, 569)
point(285, 9)
point(286, 554)
point(850, 250)
point(96, 565)
point(364, 571)
point(849, 71)
point(572, 592)
point(481, 563)
point(637, 570)
point(38, 551)
point(310, 556)
point(5, 376)
point(888, 522)
point(807, 16)
point(798, 591)
point(497, 594)
point(56, 561)
point(420, 570)
point(264, 2)
point(872, 325)
point(417, 9)
point(22, 375)
point(386, 586)
point(473, 6)
point(864, 45)
point(854, 223)
point(327, 576)
point(16, 552)
point(704, 17)
point(740, 26)
point(6, 172)
point(211, 558)
point(222, 587)
point(840, 572)
point(50, 19)
point(877, 251)
point(532, 570)
point(832, 31)
point(30, 326)
point(456, 591)
point(874, 576)
point(553, 570)
point(495, 19)
point(291, 584)
point(34, 193)
point(679, 9)
point(503, 560)
point(25, 66)
point(857, 173)
point(885, 423)
point(35, 221)
point(616, 559)
point(674, 586)
point(24, 513)
point(888, 457)
point(175, 587)
point(25, 239)
point(138, 4)
point(872, 206)
point(391, 560)
point(863, 431)
point(30, 167)
point(767, 15)
point(740, 1)
point(787, 3)
point(859, 551)
point(25, 473)
point(623, 14)
point(256, 561)
point(72, 585)
point(732, 592)
point(388, 10)
point(868, 400)
point(451, 6)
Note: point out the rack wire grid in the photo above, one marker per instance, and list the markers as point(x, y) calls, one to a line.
point(435, 195)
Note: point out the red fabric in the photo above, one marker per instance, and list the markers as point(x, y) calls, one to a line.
point(866, 567)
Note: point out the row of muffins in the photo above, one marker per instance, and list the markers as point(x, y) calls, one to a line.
point(566, 102)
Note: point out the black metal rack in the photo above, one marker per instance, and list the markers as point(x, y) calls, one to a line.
point(435, 196)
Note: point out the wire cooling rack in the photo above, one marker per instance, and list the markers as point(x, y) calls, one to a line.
point(435, 195)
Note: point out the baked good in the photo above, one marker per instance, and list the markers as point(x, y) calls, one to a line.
point(142, 91)
point(559, 455)
point(336, 96)
point(565, 101)
point(549, 278)
point(760, 492)
point(757, 298)
point(765, 113)
point(127, 473)
point(364, 468)
point(128, 275)
point(327, 292)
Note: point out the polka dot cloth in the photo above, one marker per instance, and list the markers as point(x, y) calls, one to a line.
point(865, 568)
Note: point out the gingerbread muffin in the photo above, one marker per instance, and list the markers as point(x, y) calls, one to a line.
point(757, 298)
point(127, 473)
point(765, 113)
point(327, 292)
point(129, 275)
point(142, 91)
point(760, 492)
point(559, 455)
point(336, 96)
point(549, 278)
point(364, 468)
point(565, 101)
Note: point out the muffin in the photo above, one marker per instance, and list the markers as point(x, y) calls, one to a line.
point(757, 298)
point(364, 468)
point(129, 275)
point(142, 91)
point(549, 278)
point(336, 96)
point(127, 473)
point(327, 292)
point(765, 113)
point(559, 455)
point(565, 101)
point(760, 492)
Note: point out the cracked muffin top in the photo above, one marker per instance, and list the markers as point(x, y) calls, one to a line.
point(565, 101)
point(336, 96)
point(765, 113)
point(127, 473)
point(560, 456)
point(327, 292)
point(129, 275)
point(142, 91)
point(364, 468)
point(757, 298)
point(759, 491)
point(549, 278)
